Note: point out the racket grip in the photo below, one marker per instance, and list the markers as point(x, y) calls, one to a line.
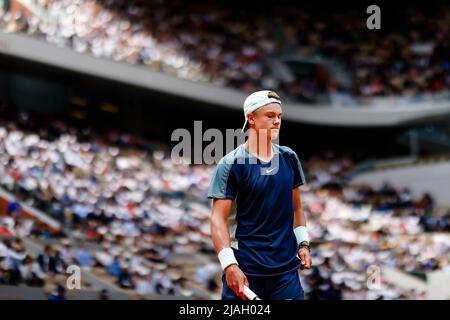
point(250, 294)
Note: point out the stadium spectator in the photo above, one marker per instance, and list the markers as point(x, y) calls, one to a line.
point(31, 273)
point(59, 293)
point(46, 261)
point(103, 294)
point(14, 209)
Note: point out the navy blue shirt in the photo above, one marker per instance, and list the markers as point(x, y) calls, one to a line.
point(261, 225)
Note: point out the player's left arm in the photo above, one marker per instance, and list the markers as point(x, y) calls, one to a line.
point(300, 220)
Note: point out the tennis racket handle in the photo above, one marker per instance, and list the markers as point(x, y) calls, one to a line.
point(250, 294)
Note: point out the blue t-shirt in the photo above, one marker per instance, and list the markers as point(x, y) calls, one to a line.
point(261, 225)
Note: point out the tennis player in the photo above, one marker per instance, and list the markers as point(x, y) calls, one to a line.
point(257, 224)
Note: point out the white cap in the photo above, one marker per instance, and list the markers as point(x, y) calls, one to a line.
point(257, 100)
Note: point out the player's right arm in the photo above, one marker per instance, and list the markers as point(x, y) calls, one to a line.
point(235, 278)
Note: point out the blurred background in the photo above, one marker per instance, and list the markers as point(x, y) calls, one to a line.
point(91, 91)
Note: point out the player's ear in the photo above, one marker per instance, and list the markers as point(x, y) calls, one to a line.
point(251, 118)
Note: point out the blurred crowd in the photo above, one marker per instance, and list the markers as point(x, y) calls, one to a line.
point(356, 228)
point(129, 211)
point(226, 46)
point(49, 267)
point(142, 220)
point(198, 41)
point(407, 56)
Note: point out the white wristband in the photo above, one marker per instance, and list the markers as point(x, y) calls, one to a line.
point(301, 234)
point(226, 258)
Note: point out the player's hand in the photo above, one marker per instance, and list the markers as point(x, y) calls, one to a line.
point(305, 258)
point(236, 280)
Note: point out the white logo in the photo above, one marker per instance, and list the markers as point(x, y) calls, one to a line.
point(270, 170)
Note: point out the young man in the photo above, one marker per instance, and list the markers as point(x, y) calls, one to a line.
point(257, 223)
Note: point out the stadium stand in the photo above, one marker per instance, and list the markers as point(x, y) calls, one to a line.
point(140, 221)
point(137, 223)
point(223, 46)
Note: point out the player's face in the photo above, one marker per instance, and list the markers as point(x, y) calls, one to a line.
point(268, 118)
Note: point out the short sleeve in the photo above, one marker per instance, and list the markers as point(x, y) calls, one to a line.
point(299, 176)
point(223, 182)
